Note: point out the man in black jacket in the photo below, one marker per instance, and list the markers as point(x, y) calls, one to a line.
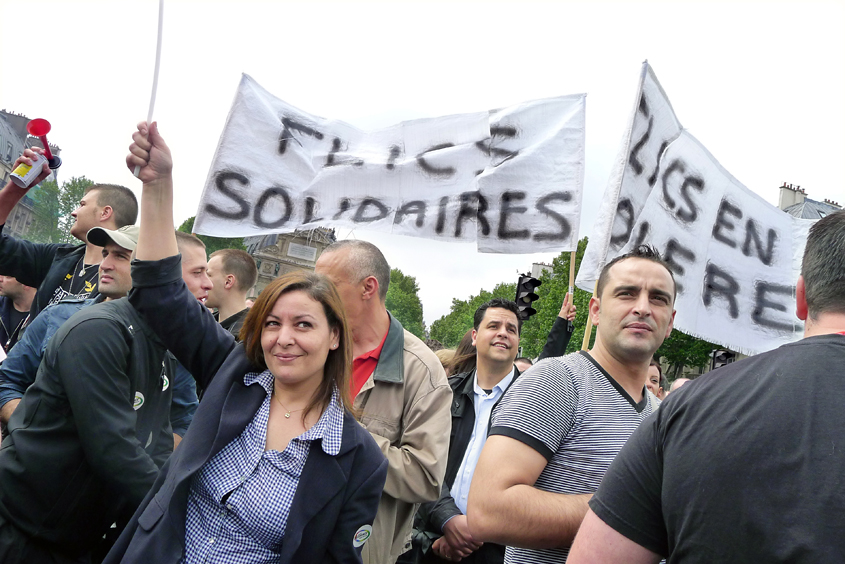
point(87, 440)
point(441, 530)
point(57, 270)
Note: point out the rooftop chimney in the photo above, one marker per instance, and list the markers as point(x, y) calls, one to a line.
point(790, 195)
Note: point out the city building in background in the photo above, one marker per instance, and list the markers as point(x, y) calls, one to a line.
point(13, 140)
point(283, 252)
point(794, 201)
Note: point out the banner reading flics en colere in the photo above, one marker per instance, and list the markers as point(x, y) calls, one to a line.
point(735, 257)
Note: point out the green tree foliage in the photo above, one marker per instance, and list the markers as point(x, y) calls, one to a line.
point(213, 243)
point(69, 196)
point(404, 303)
point(678, 350)
point(53, 206)
point(552, 291)
point(450, 328)
point(45, 227)
point(681, 350)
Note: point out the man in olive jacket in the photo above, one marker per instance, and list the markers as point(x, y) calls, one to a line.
point(400, 389)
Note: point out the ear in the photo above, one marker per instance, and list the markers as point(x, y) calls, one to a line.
point(801, 300)
point(595, 308)
point(369, 288)
point(106, 213)
point(230, 281)
point(334, 339)
point(670, 326)
point(474, 335)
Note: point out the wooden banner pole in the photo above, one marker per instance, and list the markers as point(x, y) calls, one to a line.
point(588, 330)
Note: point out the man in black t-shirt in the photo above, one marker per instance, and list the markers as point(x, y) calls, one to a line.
point(741, 465)
point(60, 270)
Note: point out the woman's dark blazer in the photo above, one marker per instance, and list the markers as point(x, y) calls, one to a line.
point(336, 495)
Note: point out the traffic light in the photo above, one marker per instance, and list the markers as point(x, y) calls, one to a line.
point(525, 296)
point(722, 357)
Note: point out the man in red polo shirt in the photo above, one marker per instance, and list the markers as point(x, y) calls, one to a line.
point(400, 389)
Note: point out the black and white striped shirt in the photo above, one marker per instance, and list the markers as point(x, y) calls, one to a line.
point(573, 413)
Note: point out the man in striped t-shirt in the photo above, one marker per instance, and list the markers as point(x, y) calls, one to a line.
point(561, 424)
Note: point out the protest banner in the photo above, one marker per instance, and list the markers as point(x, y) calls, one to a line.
point(509, 179)
point(736, 258)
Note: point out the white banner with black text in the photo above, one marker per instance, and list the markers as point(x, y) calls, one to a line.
point(509, 179)
point(735, 257)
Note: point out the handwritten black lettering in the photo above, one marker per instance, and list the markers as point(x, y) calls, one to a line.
point(625, 212)
point(361, 213)
point(345, 204)
point(497, 154)
point(675, 249)
point(633, 158)
point(761, 303)
point(445, 171)
point(723, 223)
point(507, 208)
point(291, 125)
point(222, 181)
point(675, 166)
point(258, 211)
point(642, 233)
point(653, 178)
point(565, 229)
point(642, 107)
point(395, 151)
point(751, 233)
point(473, 206)
point(441, 215)
point(337, 146)
point(717, 282)
point(310, 208)
point(689, 214)
point(413, 207)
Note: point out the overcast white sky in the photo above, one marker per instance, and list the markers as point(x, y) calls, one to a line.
point(761, 84)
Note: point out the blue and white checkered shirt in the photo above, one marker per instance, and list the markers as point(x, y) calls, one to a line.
point(240, 500)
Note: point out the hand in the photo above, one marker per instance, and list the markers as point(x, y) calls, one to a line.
point(457, 537)
point(26, 158)
point(441, 549)
point(568, 309)
point(150, 152)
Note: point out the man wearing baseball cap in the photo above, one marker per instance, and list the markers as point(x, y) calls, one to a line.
point(89, 435)
point(17, 372)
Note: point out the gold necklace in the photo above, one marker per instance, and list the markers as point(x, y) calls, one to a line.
point(287, 411)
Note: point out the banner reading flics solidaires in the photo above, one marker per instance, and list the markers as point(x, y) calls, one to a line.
point(510, 179)
point(735, 257)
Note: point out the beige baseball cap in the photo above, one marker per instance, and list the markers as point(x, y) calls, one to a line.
point(126, 237)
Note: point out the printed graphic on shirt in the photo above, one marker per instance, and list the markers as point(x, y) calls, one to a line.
point(139, 401)
point(81, 284)
point(361, 535)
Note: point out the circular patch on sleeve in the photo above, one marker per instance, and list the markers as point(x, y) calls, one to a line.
point(139, 401)
point(361, 535)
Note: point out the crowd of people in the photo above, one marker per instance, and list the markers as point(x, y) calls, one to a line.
point(152, 413)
